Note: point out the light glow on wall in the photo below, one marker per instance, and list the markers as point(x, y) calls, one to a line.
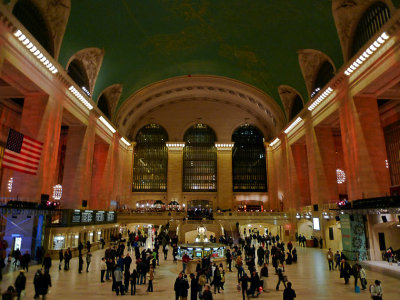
point(293, 125)
point(315, 222)
point(367, 53)
point(35, 51)
point(340, 176)
point(10, 184)
point(387, 164)
point(108, 125)
point(275, 142)
point(57, 192)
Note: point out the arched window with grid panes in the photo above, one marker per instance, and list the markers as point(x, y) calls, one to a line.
point(249, 169)
point(370, 23)
point(200, 159)
point(150, 165)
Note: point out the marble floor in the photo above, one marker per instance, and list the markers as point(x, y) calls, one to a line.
point(310, 277)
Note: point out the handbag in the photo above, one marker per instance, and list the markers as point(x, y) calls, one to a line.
point(285, 278)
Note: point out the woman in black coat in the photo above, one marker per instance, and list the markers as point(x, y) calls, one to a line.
point(183, 288)
point(194, 287)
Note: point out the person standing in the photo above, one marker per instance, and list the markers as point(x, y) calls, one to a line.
point(194, 287)
point(321, 242)
point(80, 247)
point(61, 258)
point(183, 292)
point(177, 286)
point(289, 293)
point(165, 250)
point(363, 277)
point(228, 256)
point(20, 283)
point(88, 260)
point(264, 276)
point(118, 281)
point(151, 277)
point(376, 290)
point(185, 260)
point(207, 295)
point(134, 278)
point(103, 268)
point(345, 271)
point(25, 260)
point(80, 262)
point(329, 257)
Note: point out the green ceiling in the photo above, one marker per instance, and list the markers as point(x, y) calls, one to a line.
point(254, 41)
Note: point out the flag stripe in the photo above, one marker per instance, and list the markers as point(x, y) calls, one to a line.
point(32, 140)
point(19, 169)
point(21, 156)
point(31, 149)
point(21, 164)
point(29, 154)
point(21, 161)
point(29, 143)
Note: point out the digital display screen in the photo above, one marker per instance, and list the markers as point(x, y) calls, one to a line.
point(316, 223)
point(87, 216)
point(198, 254)
point(76, 217)
point(110, 216)
point(100, 216)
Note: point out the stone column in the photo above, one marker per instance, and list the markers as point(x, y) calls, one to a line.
point(101, 178)
point(175, 172)
point(78, 164)
point(224, 176)
point(271, 179)
point(41, 120)
point(300, 162)
point(363, 148)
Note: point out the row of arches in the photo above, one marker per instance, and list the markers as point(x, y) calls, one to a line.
point(29, 13)
point(150, 169)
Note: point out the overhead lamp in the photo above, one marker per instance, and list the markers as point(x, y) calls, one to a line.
point(369, 51)
point(175, 145)
point(275, 142)
point(228, 145)
point(34, 50)
point(80, 97)
point(108, 125)
point(322, 97)
point(125, 141)
point(297, 121)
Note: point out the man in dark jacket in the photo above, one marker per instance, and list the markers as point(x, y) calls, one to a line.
point(345, 271)
point(177, 285)
point(20, 283)
point(184, 287)
point(207, 295)
point(289, 293)
point(127, 262)
point(194, 287)
point(244, 284)
point(47, 263)
point(25, 260)
point(60, 257)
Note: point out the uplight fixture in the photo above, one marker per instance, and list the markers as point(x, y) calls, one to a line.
point(108, 125)
point(340, 176)
point(35, 51)
point(364, 56)
point(125, 141)
point(322, 97)
point(10, 184)
point(293, 125)
point(80, 97)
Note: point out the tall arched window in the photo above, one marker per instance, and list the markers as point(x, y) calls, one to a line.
point(248, 160)
point(29, 15)
point(325, 73)
point(370, 23)
point(102, 104)
point(150, 160)
point(297, 106)
point(200, 160)
point(78, 74)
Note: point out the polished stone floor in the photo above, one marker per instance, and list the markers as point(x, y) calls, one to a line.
point(310, 277)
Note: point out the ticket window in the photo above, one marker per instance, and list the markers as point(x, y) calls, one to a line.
point(58, 242)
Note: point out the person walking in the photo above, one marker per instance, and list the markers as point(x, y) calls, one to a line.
point(47, 263)
point(165, 251)
point(151, 277)
point(289, 293)
point(60, 258)
point(177, 285)
point(281, 277)
point(244, 281)
point(88, 260)
point(337, 260)
point(20, 283)
point(103, 268)
point(329, 257)
point(363, 277)
point(264, 276)
point(376, 290)
point(127, 277)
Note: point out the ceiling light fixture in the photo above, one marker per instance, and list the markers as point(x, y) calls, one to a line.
point(34, 50)
point(369, 51)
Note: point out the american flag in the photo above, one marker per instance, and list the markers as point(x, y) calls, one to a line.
point(22, 153)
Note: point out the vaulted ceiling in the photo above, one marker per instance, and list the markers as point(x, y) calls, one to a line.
point(255, 41)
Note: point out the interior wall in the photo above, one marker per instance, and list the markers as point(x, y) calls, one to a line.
point(190, 236)
point(336, 243)
point(305, 227)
